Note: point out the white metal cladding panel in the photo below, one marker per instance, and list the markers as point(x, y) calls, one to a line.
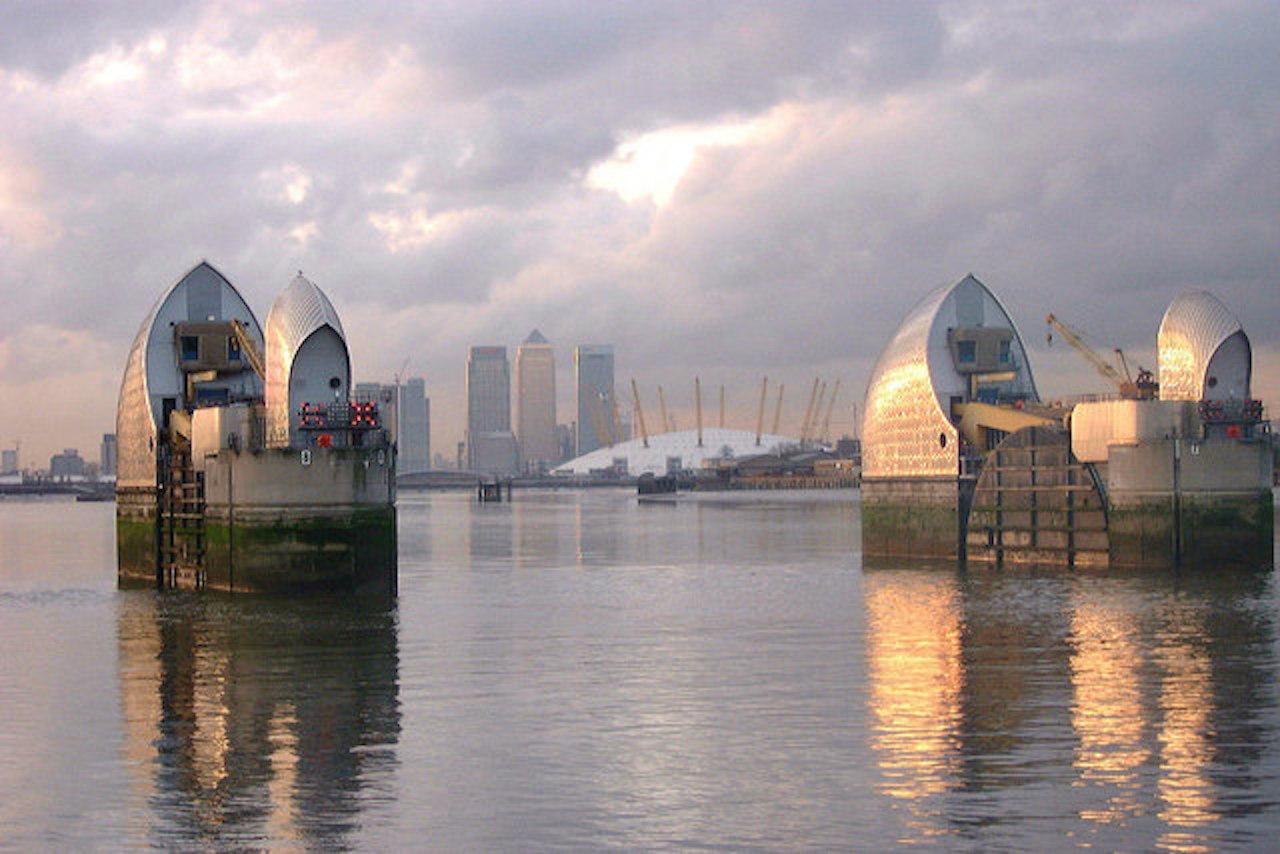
point(902, 420)
point(135, 426)
point(906, 431)
point(300, 310)
point(1192, 329)
point(151, 370)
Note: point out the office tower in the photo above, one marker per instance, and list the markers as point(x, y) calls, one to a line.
point(536, 403)
point(593, 381)
point(107, 455)
point(66, 464)
point(414, 429)
point(490, 442)
point(9, 461)
point(388, 406)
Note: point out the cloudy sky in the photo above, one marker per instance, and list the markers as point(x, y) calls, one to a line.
point(726, 189)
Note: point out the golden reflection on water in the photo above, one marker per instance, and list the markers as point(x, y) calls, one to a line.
point(1186, 751)
point(282, 785)
point(1107, 711)
point(966, 682)
point(913, 650)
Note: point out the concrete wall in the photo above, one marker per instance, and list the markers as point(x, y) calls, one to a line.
point(914, 518)
point(1097, 425)
point(1225, 466)
point(334, 477)
point(276, 550)
point(213, 427)
point(136, 537)
point(1221, 513)
point(273, 524)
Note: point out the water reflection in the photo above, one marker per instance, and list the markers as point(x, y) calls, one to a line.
point(1145, 700)
point(913, 651)
point(255, 722)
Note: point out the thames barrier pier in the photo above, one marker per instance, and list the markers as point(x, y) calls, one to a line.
point(244, 465)
point(962, 460)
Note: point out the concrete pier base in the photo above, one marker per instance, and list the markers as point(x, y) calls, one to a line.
point(288, 550)
point(915, 518)
point(1176, 502)
point(277, 521)
point(137, 542)
point(287, 520)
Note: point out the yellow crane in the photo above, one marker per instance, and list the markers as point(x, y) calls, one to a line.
point(249, 349)
point(764, 392)
point(667, 425)
point(635, 394)
point(1144, 388)
point(826, 422)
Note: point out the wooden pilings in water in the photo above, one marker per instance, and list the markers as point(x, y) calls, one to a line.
point(490, 492)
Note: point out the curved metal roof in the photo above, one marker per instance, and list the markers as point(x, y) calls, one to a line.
point(1195, 325)
point(682, 444)
point(906, 431)
point(151, 369)
point(299, 311)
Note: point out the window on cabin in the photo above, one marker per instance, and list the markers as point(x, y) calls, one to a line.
point(1006, 352)
point(967, 351)
point(233, 349)
point(190, 348)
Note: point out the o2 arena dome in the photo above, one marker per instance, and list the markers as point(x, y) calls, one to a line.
point(678, 450)
point(1203, 351)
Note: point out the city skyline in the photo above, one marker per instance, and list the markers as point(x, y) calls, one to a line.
point(722, 191)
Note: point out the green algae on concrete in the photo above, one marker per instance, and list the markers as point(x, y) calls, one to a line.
point(913, 518)
point(1195, 531)
point(261, 550)
point(137, 541)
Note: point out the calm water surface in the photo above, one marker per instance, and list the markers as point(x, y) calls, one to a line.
point(577, 670)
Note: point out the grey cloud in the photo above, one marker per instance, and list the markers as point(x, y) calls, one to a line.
point(45, 37)
point(1090, 160)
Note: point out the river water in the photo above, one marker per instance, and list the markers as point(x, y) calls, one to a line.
point(576, 670)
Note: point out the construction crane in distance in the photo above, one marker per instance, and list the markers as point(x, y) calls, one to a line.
point(808, 412)
point(826, 422)
point(403, 366)
point(1144, 388)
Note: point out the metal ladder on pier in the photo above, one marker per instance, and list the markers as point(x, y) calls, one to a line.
point(182, 534)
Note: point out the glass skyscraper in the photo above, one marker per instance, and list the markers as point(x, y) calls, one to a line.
point(536, 403)
point(414, 433)
point(593, 381)
point(489, 409)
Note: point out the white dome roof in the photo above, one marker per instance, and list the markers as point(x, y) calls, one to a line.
point(682, 444)
point(1192, 331)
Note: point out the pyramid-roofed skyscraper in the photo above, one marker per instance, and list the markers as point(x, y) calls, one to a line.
point(536, 403)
